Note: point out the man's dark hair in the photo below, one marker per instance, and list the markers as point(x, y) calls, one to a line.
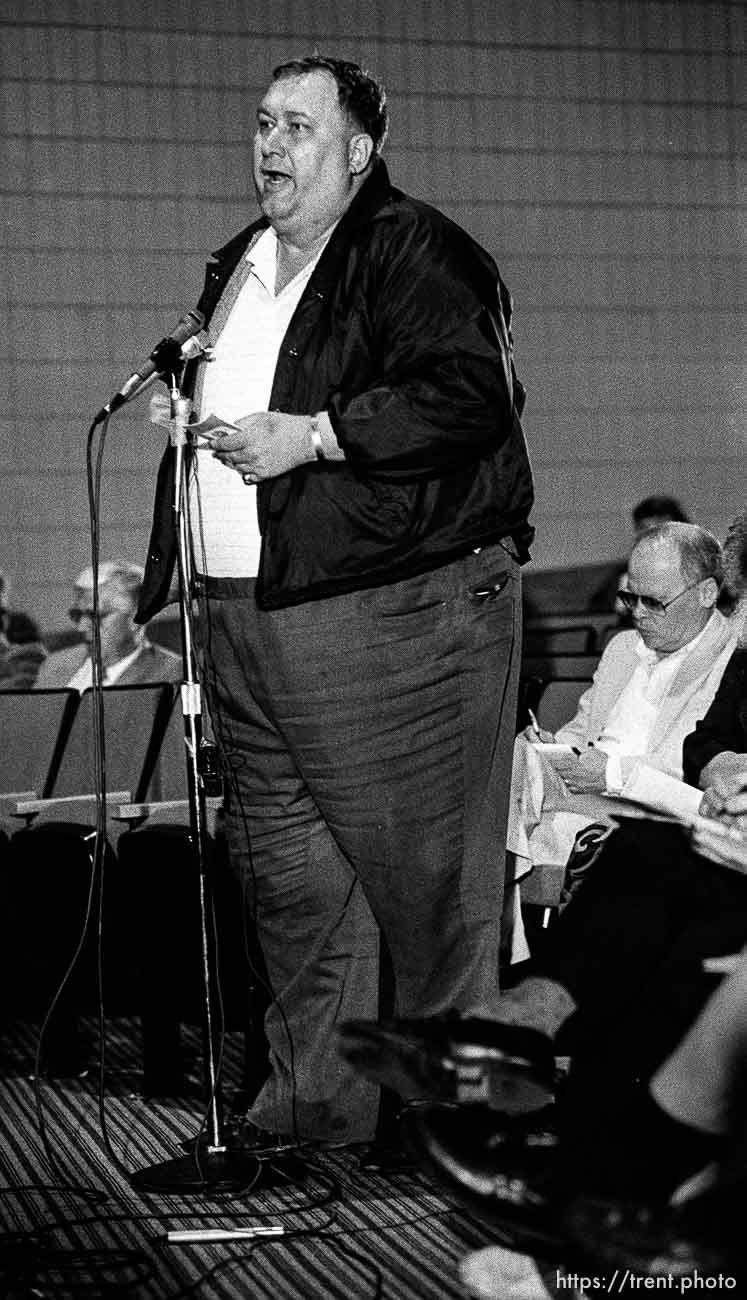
point(663, 508)
point(360, 96)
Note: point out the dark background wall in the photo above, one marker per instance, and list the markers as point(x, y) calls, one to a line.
point(593, 146)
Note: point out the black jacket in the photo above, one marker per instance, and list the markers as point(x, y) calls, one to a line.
point(724, 726)
point(403, 336)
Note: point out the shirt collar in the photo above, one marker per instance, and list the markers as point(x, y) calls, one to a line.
point(262, 253)
point(262, 258)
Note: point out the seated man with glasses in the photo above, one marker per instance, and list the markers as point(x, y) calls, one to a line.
point(653, 683)
point(127, 657)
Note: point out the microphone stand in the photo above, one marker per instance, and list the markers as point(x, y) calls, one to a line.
point(210, 1166)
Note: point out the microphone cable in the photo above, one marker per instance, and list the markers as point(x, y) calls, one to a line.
point(98, 835)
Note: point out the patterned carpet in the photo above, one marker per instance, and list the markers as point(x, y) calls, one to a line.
point(73, 1225)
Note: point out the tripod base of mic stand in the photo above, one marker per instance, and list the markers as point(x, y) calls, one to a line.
point(223, 1170)
point(200, 1174)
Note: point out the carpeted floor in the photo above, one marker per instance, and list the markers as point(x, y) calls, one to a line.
point(74, 1226)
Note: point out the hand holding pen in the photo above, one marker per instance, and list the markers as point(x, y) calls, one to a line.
point(584, 771)
point(535, 733)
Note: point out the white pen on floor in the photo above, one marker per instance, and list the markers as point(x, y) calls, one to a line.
point(207, 1236)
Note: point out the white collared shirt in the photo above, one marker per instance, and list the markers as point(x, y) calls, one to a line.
point(237, 382)
point(628, 728)
point(82, 680)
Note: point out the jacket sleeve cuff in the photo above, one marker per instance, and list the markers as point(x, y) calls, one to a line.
point(330, 447)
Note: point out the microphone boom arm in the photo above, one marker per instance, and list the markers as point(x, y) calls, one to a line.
point(165, 358)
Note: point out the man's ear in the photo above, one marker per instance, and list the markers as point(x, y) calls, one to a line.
point(709, 593)
point(360, 150)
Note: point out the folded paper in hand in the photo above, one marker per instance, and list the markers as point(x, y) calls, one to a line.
point(212, 425)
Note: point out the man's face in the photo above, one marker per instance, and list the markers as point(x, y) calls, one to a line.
point(118, 632)
point(654, 570)
point(302, 167)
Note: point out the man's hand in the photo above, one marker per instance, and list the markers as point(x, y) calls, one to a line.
point(722, 843)
point(20, 664)
point(722, 835)
point(726, 799)
point(585, 773)
point(267, 444)
point(538, 736)
point(726, 764)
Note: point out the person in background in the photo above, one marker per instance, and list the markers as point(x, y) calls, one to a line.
point(623, 984)
point(650, 688)
point(657, 1188)
point(127, 656)
point(735, 563)
point(649, 513)
point(655, 510)
point(614, 982)
point(660, 898)
point(691, 1126)
point(21, 648)
point(716, 746)
point(359, 514)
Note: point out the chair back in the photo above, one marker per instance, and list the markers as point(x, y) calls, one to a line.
point(578, 639)
point(558, 701)
point(135, 722)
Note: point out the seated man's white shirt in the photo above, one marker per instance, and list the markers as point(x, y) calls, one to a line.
point(545, 817)
point(628, 728)
point(631, 721)
point(237, 382)
point(82, 680)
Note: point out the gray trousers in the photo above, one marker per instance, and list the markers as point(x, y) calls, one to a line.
point(367, 741)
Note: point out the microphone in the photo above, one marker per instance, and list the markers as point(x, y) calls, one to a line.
point(165, 356)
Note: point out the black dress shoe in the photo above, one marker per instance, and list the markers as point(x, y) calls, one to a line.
point(498, 1169)
point(241, 1134)
point(72, 1066)
point(387, 1158)
point(510, 1068)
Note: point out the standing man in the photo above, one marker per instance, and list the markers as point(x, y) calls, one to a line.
point(357, 537)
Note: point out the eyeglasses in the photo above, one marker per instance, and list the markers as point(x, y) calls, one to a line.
point(76, 614)
point(651, 604)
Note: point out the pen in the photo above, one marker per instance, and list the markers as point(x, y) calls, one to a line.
point(536, 729)
point(209, 1235)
